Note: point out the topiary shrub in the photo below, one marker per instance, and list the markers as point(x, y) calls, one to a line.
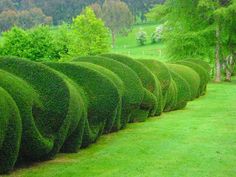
point(133, 92)
point(171, 97)
point(102, 97)
point(49, 104)
point(120, 86)
point(160, 70)
point(145, 75)
point(190, 76)
point(162, 74)
point(204, 76)
point(203, 64)
point(183, 90)
point(141, 114)
point(10, 131)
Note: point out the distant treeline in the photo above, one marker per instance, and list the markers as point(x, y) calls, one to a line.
point(28, 13)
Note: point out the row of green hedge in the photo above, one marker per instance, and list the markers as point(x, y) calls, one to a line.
point(46, 108)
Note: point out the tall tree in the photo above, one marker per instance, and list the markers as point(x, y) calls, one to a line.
point(92, 37)
point(117, 17)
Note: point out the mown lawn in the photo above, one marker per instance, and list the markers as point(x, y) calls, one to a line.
point(127, 45)
point(199, 141)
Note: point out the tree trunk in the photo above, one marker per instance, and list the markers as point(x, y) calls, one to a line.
point(230, 67)
point(217, 56)
point(228, 76)
point(113, 39)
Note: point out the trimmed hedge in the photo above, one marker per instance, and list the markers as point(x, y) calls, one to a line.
point(183, 90)
point(190, 76)
point(161, 71)
point(50, 107)
point(133, 93)
point(171, 97)
point(203, 74)
point(147, 78)
point(102, 97)
point(202, 63)
point(163, 78)
point(120, 85)
point(10, 131)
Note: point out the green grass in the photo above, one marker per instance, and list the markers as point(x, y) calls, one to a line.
point(127, 45)
point(199, 141)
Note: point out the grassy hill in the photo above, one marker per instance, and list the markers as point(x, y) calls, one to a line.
point(128, 45)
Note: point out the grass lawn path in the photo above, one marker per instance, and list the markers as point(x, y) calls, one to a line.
point(198, 141)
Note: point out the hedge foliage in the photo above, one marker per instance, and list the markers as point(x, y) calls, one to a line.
point(203, 74)
point(190, 76)
point(133, 92)
point(163, 77)
point(50, 107)
point(149, 82)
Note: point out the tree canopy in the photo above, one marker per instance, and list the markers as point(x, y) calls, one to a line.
point(199, 29)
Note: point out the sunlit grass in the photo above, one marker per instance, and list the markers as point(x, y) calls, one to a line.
point(198, 141)
point(128, 45)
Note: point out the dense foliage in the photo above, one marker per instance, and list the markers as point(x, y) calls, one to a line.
point(64, 106)
point(87, 35)
point(200, 29)
point(27, 13)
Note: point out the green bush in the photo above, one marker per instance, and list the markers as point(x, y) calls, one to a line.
point(190, 76)
point(183, 90)
point(133, 93)
point(102, 97)
point(145, 75)
point(35, 44)
point(141, 37)
point(49, 104)
point(10, 131)
point(203, 74)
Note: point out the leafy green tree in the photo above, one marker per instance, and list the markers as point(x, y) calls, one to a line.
point(63, 37)
point(92, 37)
point(41, 44)
point(15, 42)
point(199, 28)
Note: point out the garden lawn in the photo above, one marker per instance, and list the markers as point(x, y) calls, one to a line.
point(199, 141)
point(128, 45)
